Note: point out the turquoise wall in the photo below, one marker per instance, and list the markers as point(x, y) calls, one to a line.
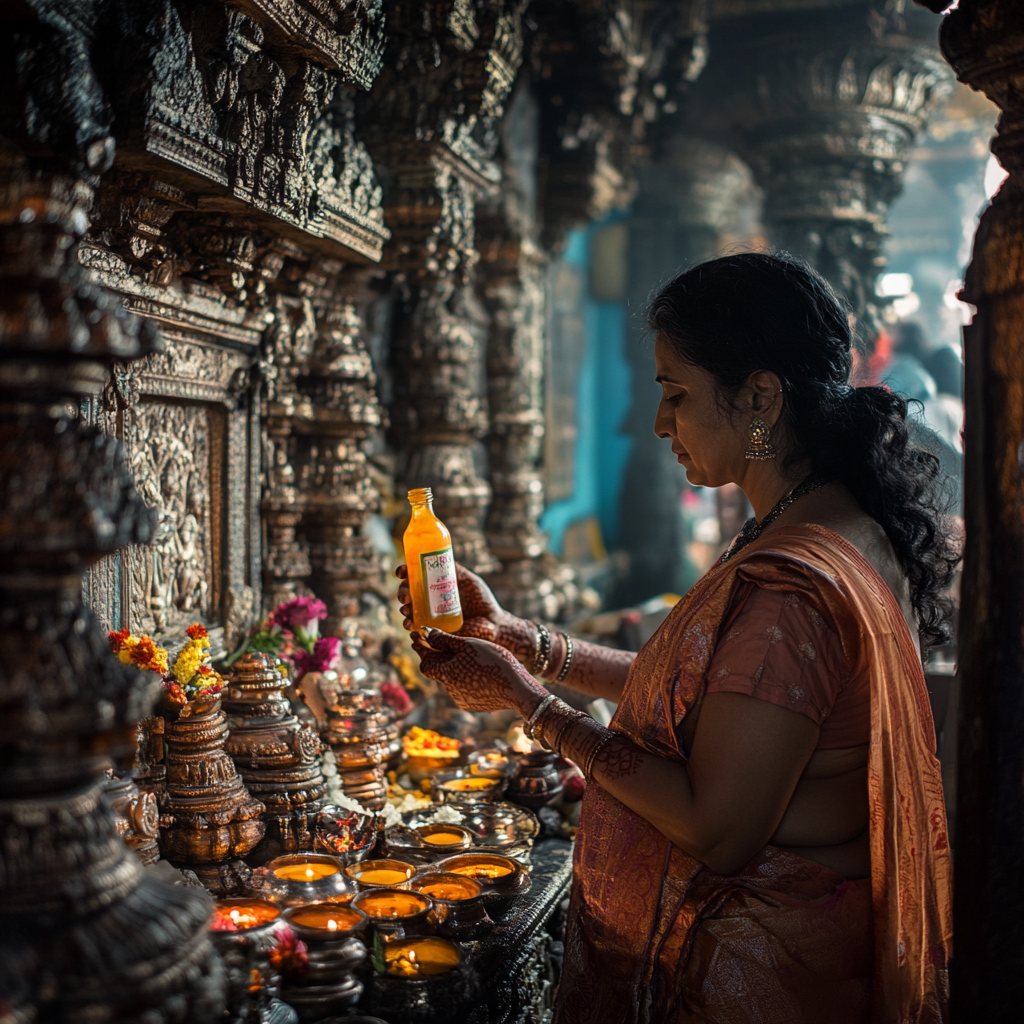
point(603, 397)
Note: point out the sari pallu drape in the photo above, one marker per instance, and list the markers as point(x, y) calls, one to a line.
point(654, 936)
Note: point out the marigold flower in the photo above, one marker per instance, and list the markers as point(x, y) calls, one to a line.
point(197, 630)
point(128, 645)
point(117, 639)
point(187, 663)
point(175, 693)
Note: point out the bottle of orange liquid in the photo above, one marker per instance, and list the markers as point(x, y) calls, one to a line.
point(428, 555)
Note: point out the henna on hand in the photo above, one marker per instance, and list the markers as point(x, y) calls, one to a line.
point(477, 674)
point(595, 670)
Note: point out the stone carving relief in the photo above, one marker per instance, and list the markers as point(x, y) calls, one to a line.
point(172, 579)
point(212, 99)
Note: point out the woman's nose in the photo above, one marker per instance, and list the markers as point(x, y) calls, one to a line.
point(662, 423)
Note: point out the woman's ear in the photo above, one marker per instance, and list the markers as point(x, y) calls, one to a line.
point(765, 391)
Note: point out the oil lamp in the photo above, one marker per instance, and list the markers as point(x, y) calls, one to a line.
point(331, 934)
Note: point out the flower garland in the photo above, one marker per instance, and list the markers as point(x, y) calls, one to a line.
point(192, 675)
point(139, 651)
point(189, 677)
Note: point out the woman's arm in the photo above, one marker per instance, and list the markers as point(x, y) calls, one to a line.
point(595, 670)
point(722, 806)
point(725, 803)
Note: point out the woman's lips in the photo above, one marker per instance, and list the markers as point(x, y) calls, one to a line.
point(680, 456)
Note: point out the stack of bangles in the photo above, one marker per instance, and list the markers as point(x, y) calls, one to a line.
point(550, 726)
point(542, 656)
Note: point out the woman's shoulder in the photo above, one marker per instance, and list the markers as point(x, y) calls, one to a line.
point(848, 571)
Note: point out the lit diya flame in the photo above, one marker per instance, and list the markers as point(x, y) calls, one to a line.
point(328, 918)
point(420, 958)
point(419, 742)
point(308, 872)
point(235, 919)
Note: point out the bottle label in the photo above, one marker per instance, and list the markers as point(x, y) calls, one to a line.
point(439, 579)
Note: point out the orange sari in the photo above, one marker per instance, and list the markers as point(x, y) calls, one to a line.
point(654, 936)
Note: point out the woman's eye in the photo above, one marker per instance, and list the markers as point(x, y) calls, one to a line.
point(674, 399)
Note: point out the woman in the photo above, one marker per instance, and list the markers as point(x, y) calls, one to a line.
point(763, 838)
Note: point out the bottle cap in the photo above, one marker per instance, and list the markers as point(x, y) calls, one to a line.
point(418, 495)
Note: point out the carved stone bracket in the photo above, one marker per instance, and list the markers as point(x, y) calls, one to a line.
point(218, 103)
point(826, 113)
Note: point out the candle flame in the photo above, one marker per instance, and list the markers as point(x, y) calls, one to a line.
point(235, 915)
point(309, 872)
point(411, 954)
point(332, 925)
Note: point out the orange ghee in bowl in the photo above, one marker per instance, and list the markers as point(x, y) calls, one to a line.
point(392, 904)
point(330, 918)
point(420, 958)
point(481, 870)
point(443, 838)
point(475, 784)
point(383, 876)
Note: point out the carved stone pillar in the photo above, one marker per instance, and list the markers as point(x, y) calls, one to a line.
point(512, 288)
point(985, 44)
point(687, 202)
point(339, 494)
point(87, 935)
point(604, 71)
point(826, 112)
point(431, 125)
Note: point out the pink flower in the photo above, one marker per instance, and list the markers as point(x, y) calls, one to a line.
point(300, 613)
point(325, 650)
point(395, 696)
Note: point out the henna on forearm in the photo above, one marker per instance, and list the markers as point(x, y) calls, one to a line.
point(597, 671)
point(602, 753)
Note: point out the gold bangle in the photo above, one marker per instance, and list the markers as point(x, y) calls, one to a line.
point(542, 657)
point(570, 648)
point(588, 768)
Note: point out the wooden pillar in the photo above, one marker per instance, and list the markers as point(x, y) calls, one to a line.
point(984, 41)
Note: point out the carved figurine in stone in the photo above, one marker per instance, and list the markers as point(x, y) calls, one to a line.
point(277, 756)
point(210, 821)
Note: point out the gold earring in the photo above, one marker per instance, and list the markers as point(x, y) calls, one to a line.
point(761, 449)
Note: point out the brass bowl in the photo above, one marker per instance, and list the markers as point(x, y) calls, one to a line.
point(499, 890)
point(459, 912)
point(464, 787)
point(411, 845)
point(393, 926)
point(293, 892)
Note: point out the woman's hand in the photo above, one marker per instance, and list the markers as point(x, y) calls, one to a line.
point(478, 675)
point(482, 617)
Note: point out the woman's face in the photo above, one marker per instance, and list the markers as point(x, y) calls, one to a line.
point(706, 440)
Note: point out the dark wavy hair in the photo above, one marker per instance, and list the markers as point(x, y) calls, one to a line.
point(738, 314)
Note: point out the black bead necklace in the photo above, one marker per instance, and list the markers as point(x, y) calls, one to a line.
point(753, 528)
